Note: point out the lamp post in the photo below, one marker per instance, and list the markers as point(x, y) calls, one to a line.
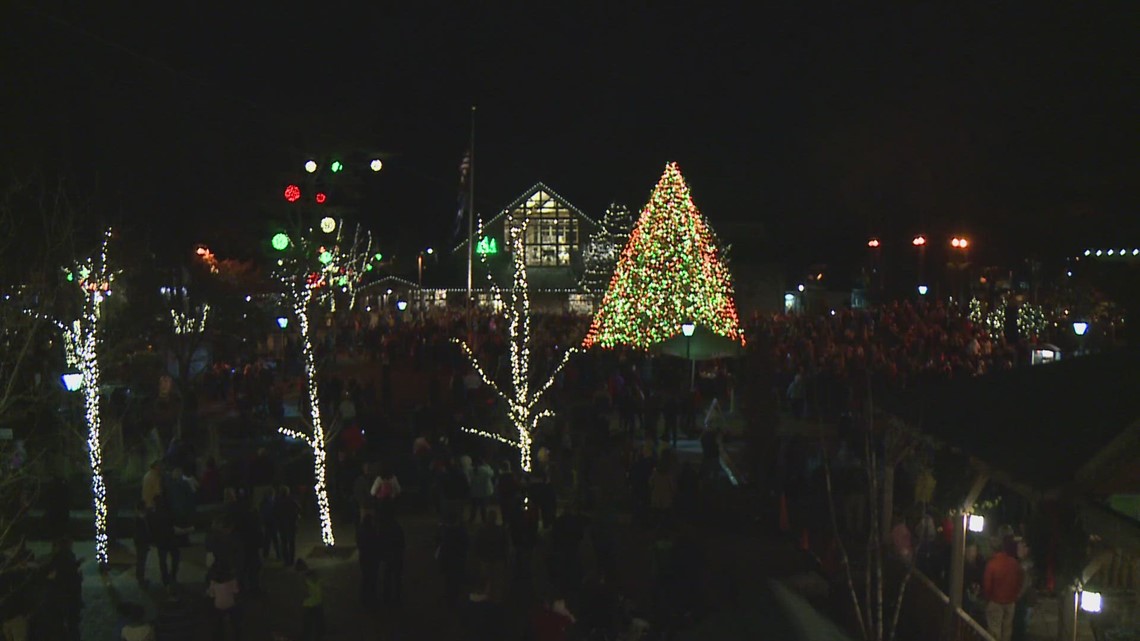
point(1080, 328)
point(875, 277)
point(688, 329)
point(282, 323)
point(420, 268)
point(919, 243)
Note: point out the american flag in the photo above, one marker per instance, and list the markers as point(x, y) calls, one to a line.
point(465, 168)
point(464, 173)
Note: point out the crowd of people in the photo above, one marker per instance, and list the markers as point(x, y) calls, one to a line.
point(503, 533)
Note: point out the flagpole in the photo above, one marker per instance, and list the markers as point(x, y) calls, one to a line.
point(471, 228)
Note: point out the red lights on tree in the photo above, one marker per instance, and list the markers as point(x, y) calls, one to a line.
point(292, 193)
point(321, 197)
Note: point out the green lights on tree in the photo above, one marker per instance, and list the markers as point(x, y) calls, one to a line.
point(336, 166)
point(378, 256)
point(487, 246)
point(325, 257)
point(280, 241)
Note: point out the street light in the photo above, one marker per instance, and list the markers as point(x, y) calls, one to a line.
point(401, 304)
point(975, 523)
point(873, 243)
point(919, 241)
point(420, 264)
point(282, 322)
point(72, 381)
point(688, 328)
point(1080, 328)
point(922, 289)
point(1091, 601)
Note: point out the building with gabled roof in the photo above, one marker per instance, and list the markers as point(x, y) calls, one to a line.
point(556, 232)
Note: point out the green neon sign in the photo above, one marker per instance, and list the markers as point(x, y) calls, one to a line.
point(487, 246)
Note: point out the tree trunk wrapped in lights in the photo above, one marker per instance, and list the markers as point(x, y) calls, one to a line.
point(671, 272)
point(81, 345)
point(312, 272)
point(522, 403)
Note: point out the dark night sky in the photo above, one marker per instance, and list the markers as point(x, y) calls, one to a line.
point(1015, 125)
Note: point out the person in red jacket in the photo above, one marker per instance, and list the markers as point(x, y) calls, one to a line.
point(1001, 586)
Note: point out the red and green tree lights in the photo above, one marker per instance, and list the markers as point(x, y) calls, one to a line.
point(670, 273)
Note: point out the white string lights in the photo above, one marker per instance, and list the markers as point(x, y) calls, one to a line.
point(185, 323)
point(81, 349)
point(521, 402)
point(310, 273)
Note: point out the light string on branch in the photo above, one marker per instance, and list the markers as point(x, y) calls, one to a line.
point(521, 402)
point(311, 275)
point(81, 339)
point(185, 323)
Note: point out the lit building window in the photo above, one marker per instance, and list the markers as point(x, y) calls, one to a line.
point(551, 238)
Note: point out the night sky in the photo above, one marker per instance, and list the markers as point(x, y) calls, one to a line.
point(1017, 126)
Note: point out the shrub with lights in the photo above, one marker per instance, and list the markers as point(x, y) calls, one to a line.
point(670, 273)
point(315, 269)
point(522, 402)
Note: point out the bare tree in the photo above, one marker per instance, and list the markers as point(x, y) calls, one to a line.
point(522, 402)
point(315, 270)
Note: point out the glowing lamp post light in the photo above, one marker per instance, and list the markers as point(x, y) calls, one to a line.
point(72, 381)
point(282, 322)
point(1080, 328)
point(975, 523)
point(688, 329)
point(1091, 601)
point(922, 289)
point(401, 304)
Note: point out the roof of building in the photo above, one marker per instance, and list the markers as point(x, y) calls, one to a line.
point(538, 187)
point(1072, 425)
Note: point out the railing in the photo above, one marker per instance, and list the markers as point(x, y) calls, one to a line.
point(926, 610)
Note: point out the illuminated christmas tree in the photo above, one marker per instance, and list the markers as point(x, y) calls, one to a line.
point(601, 254)
point(670, 273)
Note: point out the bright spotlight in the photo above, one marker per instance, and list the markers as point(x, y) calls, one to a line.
point(1091, 601)
point(975, 523)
